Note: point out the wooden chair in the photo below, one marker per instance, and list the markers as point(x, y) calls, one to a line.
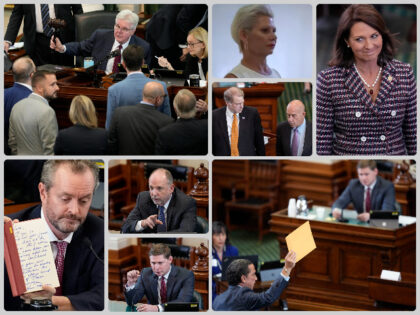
point(261, 189)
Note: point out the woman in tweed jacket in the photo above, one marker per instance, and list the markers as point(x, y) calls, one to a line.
point(366, 101)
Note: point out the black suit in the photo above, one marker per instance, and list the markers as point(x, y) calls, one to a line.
point(34, 47)
point(133, 129)
point(179, 287)
point(180, 215)
point(191, 66)
point(83, 277)
point(283, 139)
point(183, 137)
point(81, 140)
point(251, 140)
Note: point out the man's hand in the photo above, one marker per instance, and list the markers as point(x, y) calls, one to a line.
point(147, 308)
point(290, 261)
point(364, 217)
point(56, 45)
point(7, 219)
point(6, 47)
point(336, 213)
point(63, 303)
point(132, 277)
point(46, 293)
point(201, 106)
point(150, 222)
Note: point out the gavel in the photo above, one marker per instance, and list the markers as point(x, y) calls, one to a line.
point(56, 24)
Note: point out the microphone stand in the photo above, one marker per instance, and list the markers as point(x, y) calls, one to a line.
point(96, 81)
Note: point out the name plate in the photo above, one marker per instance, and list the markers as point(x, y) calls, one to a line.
point(391, 275)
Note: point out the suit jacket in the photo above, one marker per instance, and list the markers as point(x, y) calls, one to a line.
point(11, 96)
point(81, 140)
point(83, 277)
point(130, 92)
point(33, 127)
point(382, 196)
point(133, 129)
point(183, 137)
point(237, 298)
point(99, 45)
point(283, 139)
point(251, 140)
point(191, 66)
point(64, 12)
point(179, 286)
point(349, 123)
point(181, 213)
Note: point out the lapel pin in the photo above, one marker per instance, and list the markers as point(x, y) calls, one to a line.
point(389, 78)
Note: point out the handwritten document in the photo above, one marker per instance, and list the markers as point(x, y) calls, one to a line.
point(301, 241)
point(35, 254)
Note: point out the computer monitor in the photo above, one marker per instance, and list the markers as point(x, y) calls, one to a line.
point(384, 219)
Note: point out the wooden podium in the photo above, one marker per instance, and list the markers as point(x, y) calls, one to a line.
point(335, 276)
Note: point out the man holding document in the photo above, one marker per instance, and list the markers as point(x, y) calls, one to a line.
point(76, 237)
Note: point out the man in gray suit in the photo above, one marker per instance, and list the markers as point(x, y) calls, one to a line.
point(33, 124)
point(129, 91)
point(134, 129)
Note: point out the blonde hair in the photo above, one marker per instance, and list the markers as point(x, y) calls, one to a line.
point(201, 34)
point(82, 111)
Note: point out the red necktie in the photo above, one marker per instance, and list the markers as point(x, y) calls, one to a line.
point(367, 200)
point(59, 264)
point(117, 61)
point(162, 290)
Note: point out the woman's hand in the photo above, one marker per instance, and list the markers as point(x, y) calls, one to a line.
point(163, 62)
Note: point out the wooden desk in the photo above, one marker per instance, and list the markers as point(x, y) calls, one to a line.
point(335, 275)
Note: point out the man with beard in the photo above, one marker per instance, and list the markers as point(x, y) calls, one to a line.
point(33, 125)
point(164, 208)
point(77, 237)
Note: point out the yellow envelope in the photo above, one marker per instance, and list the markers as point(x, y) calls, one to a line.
point(301, 241)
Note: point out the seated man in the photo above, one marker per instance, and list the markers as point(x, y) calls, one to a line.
point(164, 208)
point(369, 192)
point(161, 283)
point(103, 41)
point(77, 237)
point(241, 276)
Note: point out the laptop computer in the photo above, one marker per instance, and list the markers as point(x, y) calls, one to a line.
point(384, 219)
point(270, 270)
point(181, 307)
point(228, 260)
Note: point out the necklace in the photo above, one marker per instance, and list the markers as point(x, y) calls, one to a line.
point(374, 83)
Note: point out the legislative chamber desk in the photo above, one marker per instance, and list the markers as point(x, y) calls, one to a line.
point(335, 276)
point(72, 83)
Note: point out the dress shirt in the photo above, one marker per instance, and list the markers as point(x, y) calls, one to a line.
point(38, 16)
point(364, 195)
point(110, 63)
point(139, 228)
point(201, 72)
point(229, 120)
point(301, 134)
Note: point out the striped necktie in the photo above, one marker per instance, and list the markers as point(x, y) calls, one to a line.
point(161, 217)
point(45, 15)
point(59, 264)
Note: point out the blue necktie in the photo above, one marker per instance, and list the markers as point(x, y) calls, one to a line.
point(161, 217)
point(45, 15)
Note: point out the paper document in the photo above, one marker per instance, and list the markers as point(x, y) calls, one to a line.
point(301, 241)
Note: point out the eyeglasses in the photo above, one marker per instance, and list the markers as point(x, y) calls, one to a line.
point(193, 44)
point(125, 30)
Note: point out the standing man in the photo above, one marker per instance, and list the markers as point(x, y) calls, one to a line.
point(164, 208)
point(33, 124)
point(368, 192)
point(187, 135)
point(133, 129)
point(103, 41)
point(37, 33)
point(130, 90)
point(161, 283)
point(294, 136)
point(237, 129)
point(66, 189)
point(23, 69)
point(241, 276)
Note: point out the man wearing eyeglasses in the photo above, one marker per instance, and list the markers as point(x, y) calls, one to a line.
point(102, 42)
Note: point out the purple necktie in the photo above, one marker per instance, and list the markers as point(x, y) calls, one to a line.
point(117, 61)
point(295, 142)
point(162, 290)
point(59, 264)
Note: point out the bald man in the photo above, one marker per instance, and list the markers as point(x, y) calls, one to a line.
point(23, 69)
point(133, 129)
point(294, 136)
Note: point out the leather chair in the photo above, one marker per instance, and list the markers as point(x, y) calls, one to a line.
point(202, 225)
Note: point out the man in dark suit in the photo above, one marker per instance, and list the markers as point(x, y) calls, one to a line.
point(187, 135)
point(237, 128)
point(102, 42)
point(161, 283)
point(369, 192)
point(36, 36)
point(23, 69)
point(133, 129)
point(241, 276)
point(294, 136)
point(164, 208)
point(66, 190)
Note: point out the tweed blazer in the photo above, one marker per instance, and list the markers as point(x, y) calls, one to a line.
point(350, 123)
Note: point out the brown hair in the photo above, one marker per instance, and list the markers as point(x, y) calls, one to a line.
point(160, 249)
point(40, 76)
point(366, 13)
point(367, 163)
point(82, 111)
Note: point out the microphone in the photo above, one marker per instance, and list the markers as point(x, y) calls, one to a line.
point(88, 243)
point(113, 54)
point(342, 217)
